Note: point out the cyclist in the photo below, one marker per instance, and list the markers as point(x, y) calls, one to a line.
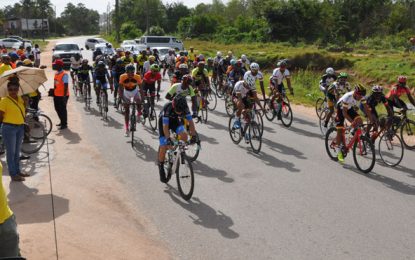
point(216, 62)
point(83, 75)
point(170, 62)
point(244, 94)
point(184, 89)
point(334, 92)
point(192, 55)
point(149, 83)
point(345, 110)
point(156, 55)
point(276, 84)
point(127, 59)
point(375, 98)
point(117, 70)
point(140, 61)
point(237, 73)
point(102, 78)
point(252, 75)
point(171, 118)
point(147, 64)
point(96, 53)
point(75, 64)
point(327, 79)
point(198, 59)
point(200, 76)
point(222, 69)
point(182, 60)
point(130, 87)
point(245, 62)
point(178, 74)
point(397, 91)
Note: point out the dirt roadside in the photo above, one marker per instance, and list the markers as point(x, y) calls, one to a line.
point(94, 219)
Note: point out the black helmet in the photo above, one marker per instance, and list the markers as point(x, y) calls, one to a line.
point(180, 104)
point(130, 68)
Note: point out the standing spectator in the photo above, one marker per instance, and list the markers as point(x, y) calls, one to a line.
point(9, 238)
point(36, 54)
point(14, 58)
point(20, 51)
point(12, 115)
point(61, 94)
point(5, 66)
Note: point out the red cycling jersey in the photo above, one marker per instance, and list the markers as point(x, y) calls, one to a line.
point(398, 91)
point(150, 79)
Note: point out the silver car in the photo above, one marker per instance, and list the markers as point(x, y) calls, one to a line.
point(90, 43)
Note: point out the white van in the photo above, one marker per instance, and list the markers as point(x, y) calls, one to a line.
point(161, 41)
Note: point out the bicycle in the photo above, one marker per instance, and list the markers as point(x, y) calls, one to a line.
point(38, 115)
point(250, 129)
point(273, 108)
point(363, 148)
point(391, 148)
point(103, 101)
point(193, 148)
point(86, 91)
point(201, 106)
point(34, 137)
point(407, 128)
point(149, 112)
point(176, 162)
point(133, 120)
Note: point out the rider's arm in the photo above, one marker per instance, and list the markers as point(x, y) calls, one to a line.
point(345, 109)
point(166, 127)
point(411, 98)
point(261, 84)
point(191, 124)
point(171, 92)
point(289, 86)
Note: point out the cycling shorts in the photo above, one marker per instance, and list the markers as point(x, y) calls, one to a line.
point(131, 94)
point(176, 126)
point(103, 85)
point(340, 117)
point(149, 88)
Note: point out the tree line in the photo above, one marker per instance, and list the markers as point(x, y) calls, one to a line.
point(310, 21)
point(74, 20)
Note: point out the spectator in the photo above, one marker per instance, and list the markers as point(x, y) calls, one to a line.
point(61, 94)
point(36, 54)
point(14, 57)
point(12, 115)
point(20, 51)
point(9, 238)
point(5, 66)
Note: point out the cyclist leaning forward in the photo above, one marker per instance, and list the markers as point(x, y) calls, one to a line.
point(345, 110)
point(102, 78)
point(397, 91)
point(149, 83)
point(334, 92)
point(201, 77)
point(130, 88)
point(184, 89)
point(75, 64)
point(171, 118)
point(117, 70)
point(83, 76)
point(276, 84)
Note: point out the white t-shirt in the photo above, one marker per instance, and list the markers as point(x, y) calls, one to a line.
point(278, 76)
point(348, 101)
point(170, 59)
point(146, 66)
point(240, 88)
point(75, 64)
point(251, 79)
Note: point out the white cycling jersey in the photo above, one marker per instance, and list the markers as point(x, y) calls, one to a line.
point(171, 59)
point(278, 76)
point(251, 79)
point(240, 88)
point(348, 101)
point(75, 64)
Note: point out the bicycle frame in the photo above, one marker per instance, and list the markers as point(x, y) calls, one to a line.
point(355, 138)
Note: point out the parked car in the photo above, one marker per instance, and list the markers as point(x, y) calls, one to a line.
point(90, 43)
point(161, 41)
point(14, 43)
point(65, 51)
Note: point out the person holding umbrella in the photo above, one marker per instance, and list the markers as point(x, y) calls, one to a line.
point(61, 93)
point(12, 116)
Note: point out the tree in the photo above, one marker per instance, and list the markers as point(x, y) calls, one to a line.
point(130, 31)
point(73, 15)
point(174, 12)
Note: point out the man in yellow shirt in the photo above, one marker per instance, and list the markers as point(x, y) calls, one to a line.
point(9, 238)
point(6, 64)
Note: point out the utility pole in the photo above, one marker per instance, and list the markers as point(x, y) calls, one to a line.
point(117, 20)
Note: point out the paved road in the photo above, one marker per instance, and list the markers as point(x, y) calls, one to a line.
point(288, 202)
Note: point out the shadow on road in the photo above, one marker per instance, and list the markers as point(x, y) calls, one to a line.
point(111, 122)
point(72, 137)
point(280, 148)
point(213, 125)
point(144, 151)
point(31, 166)
point(204, 138)
point(29, 207)
point(204, 215)
point(219, 113)
point(272, 161)
point(304, 132)
point(207, 171)
point(304, 122)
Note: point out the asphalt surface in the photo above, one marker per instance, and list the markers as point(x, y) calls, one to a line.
point(288, 202)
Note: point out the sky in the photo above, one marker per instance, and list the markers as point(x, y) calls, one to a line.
point(99, 5)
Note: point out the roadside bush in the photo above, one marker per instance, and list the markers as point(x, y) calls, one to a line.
point(130, 31)
point(156, 30)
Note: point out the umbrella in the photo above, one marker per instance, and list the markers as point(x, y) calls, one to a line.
point(30, 80)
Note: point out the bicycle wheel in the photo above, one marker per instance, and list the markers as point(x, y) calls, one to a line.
point(330, 143)
point(322, 120)
point(193, 149)
point(319, 106)
point(167, 164)
point(259, 121)
point(390, 148)
point(255, 137)
point(30, 144)
point(269, 110)
point(286, 114)
point(46, 122)
point(364, 155)
point(105, 106)
point(153, 119)
point(220, 92)
point(133, 122)
point(408, 134)
point(204, 115)
point(212, 99)
point(185, 177)
point(229, 106)
point(37, 129)
point(236, 134)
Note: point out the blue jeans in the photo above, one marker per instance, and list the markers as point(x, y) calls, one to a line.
point(13, 138)
point(9, 238)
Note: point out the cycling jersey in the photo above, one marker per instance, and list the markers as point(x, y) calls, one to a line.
point(251, 79)
point(175, 121)
point(75, 64)
point(130, 83)
point(240, 88)
point(372, 102)
point(198, 75)
point(278, 76)
point(327, 79)
point(348, 100)
point(127, 60)
point(237, 74)
point(171, 60)
point(177, 89)
point(398, 91)
point(101, 75)
point(83, 72)
point(150, 79)
point(141, 59)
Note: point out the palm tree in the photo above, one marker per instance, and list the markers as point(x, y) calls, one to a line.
point(27, 5)
point(44, 7)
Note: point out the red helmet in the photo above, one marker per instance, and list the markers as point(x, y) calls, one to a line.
point(402, 79)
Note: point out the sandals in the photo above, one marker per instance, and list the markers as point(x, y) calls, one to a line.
point(18, 178)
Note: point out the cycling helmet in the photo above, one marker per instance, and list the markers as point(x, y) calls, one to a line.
point(254, 66)
point(179, 104)
point(343, 75)
point(191, 47)
point(243, 57)
point(201, 57)
point(330, 71)
point(183, 66)
point(282, 63)
point(201, 63)
point(127, 53)
point(239, 62)
point(360, 90)
point(187, 79)
point(233, 62)
point(181, 53)
point(377, 89)
point(77, 56)
point(219, 54)
point(101, 63)
point(130, 68)
point(230, 53)
point(154, 67)
point(85, 61)
point(402, 79)
point(210, 59)
point(186, 53)
point(151, 58)
point(118, 50)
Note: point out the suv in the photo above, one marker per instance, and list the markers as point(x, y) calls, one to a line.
point(90, 43)
point(65, 51)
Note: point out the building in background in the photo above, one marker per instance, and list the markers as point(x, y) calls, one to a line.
point(26, 27)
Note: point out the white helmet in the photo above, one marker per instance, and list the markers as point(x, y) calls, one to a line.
point(219, 54)
point(243, 57)
point(330, 71)
point(254, 66)
point(183, 66)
